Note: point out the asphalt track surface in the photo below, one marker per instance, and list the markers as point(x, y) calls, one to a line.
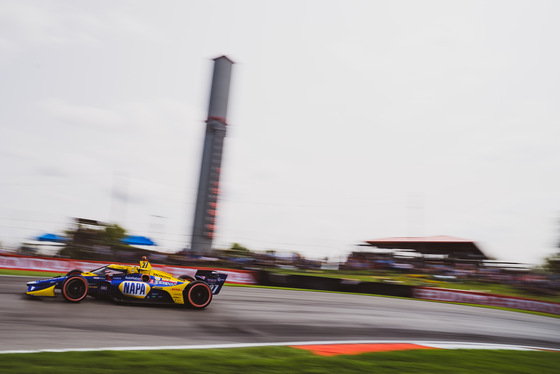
point(255, 315)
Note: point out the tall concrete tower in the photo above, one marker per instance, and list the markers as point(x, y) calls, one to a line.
point(208, 184)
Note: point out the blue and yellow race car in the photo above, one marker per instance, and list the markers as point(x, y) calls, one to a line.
point(127, 283)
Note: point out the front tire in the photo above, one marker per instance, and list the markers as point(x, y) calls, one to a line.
point(197, 295)
point(75, 288)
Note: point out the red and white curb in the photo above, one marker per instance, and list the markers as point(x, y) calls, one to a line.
point(416, 344)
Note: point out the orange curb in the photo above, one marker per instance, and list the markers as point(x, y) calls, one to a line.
point(354, 349)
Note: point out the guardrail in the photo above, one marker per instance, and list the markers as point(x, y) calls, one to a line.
point(469, 297)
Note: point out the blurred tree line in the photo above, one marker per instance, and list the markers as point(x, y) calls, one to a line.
point(93, 240)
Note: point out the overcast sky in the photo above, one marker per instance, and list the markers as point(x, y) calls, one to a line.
point(348, 121)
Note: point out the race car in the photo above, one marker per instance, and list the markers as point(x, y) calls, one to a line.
point(128, 283)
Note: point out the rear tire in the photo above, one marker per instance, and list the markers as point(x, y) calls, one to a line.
point(75, 288)
point(74, 272)
point(197, 295)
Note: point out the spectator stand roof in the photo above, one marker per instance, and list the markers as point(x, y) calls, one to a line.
point(433, 245)
point(51, 238)
point(138, 240)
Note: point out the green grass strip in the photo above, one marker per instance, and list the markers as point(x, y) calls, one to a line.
point(31, 273)
point(282, 360)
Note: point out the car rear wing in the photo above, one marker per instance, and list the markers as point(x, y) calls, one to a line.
point(214, 279)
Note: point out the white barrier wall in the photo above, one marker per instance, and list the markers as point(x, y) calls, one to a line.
point(57, 265)
point(458, 296)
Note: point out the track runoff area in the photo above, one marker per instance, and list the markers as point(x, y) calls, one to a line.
point(321, 348)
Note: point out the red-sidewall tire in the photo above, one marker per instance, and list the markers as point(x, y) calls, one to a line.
point(197, 295)
point(74, 272)
point(75, 288)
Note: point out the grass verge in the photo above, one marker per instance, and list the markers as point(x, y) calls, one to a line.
point(282, 360)
point(30, 273)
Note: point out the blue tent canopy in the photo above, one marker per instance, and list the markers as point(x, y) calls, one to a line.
point(51, 238)
point(137, 240)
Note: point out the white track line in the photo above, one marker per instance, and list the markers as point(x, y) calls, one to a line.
point(432, 344)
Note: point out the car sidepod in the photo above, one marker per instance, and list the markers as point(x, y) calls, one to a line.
point(136, 289)
point(165, 290)
point(145, 289)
